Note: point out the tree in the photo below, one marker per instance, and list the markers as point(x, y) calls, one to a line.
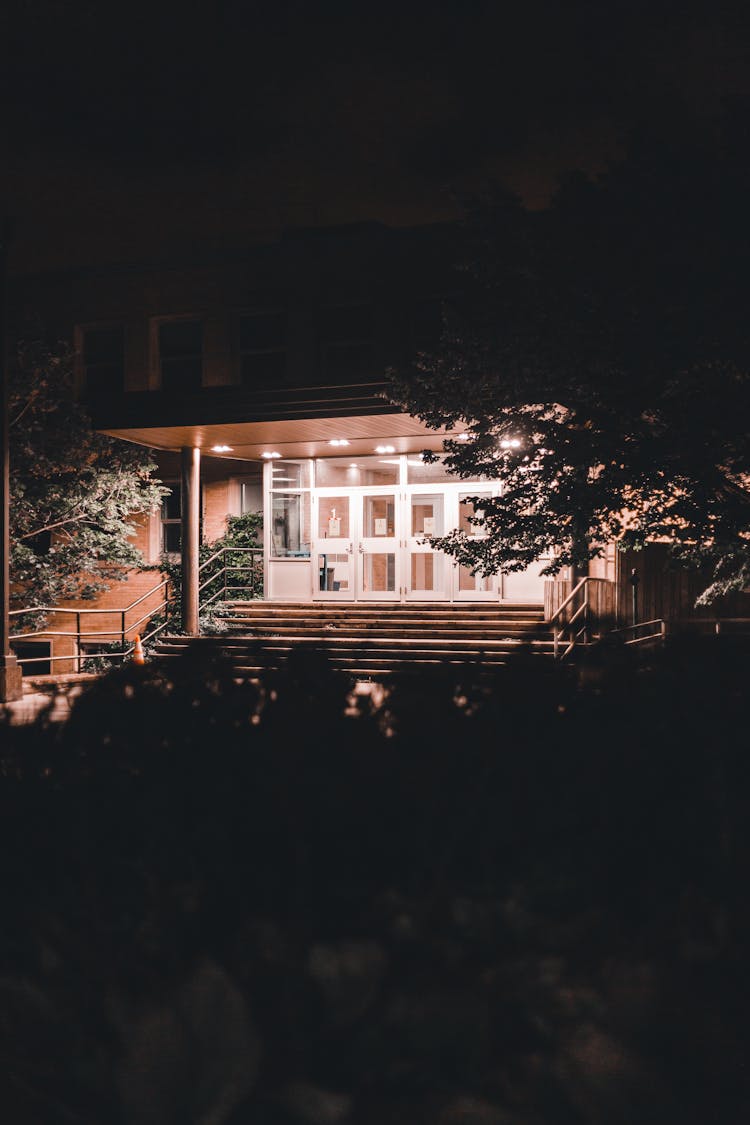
point(596, 363)
point(74, 493)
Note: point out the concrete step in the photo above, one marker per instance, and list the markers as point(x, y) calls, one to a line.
point(329, 631)
point(374, 638)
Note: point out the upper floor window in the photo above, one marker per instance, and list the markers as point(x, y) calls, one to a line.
point(347, 348)
point(262, 348)
point(181, 354)
point(103, 359)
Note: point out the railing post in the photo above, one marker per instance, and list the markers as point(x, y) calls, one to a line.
point(634, 581)
point(191, 461)
point(78, 641)
point(122, 634)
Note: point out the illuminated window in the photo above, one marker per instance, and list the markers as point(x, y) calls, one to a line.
point(262, 339)
point(290, 510)
point(181, 354)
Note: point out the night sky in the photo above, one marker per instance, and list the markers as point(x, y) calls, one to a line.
point(139, 131)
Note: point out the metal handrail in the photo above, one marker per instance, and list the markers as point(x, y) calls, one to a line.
point(560, 627)
point(658, 632)
point(79, 634)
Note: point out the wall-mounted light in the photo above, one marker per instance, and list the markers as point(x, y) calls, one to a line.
point(510, 443)
point(385, 449)
point(338, 441)
point(221, 448)
point(270, 456)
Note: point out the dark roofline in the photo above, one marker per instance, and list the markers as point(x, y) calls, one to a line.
point(288, 237)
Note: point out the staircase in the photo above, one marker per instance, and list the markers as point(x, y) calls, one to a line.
point(374, 640)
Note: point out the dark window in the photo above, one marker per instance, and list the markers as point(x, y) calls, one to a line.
point(104, 359)
point(171, 518)
point(34, 657)
point(181, 354)
point(262, 348)
point(347, 342)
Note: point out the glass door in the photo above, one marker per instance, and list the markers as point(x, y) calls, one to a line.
point(426, 569)
point(468, 587)
point(333, 550)
point(378, 554)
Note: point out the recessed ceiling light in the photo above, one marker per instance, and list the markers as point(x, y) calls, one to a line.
point(221, 448)
point(385, 449)
point(510, 443)
point(269, 456)
point(463, 437)
point(338, 441)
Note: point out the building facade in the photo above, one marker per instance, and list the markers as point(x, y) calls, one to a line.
point(259, 381)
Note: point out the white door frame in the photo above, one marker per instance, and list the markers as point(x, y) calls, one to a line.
point(402, 545)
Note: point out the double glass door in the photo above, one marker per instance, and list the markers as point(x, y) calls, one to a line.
point(356, 549)
point(374, 545)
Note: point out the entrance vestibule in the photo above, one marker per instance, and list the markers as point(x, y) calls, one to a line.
point(361, 531)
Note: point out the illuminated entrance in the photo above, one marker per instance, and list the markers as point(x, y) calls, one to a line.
point(360, 529)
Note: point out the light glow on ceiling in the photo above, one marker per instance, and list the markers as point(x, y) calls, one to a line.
point(339, 441)
point(270, 455)
point(385, 449)
point(221, 448)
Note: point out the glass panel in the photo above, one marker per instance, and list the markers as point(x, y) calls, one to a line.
point(104, 345)
point(426, 570)
point(290, 525)
point(333, 572)
point(466, 509)
point(356, 471)
point(426, 515)
point(333, 517)
point(171, 507)
point(291, 474)
point(179, 338)
point(419, 473)
point(474, 582)
point(378, 516)
point(171, 537)
point(378, 573)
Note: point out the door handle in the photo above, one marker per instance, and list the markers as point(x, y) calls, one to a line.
point(351, 549)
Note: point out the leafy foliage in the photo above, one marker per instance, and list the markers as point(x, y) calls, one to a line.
point(225, 565)
point(74, 493)
point(523, 905)
point(598, 362)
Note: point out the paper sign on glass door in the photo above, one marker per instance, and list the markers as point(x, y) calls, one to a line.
point(429, 525)
point(381, 527)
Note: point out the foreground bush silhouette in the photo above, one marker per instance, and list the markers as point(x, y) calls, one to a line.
point(280, 903)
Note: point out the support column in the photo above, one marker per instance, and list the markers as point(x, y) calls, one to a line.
point(11, 686)
point(191, 499)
